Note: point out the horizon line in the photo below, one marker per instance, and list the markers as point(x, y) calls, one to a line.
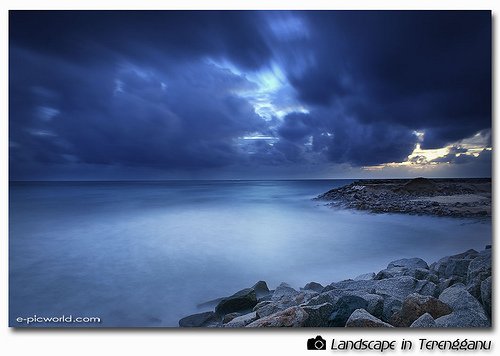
point(232, 180)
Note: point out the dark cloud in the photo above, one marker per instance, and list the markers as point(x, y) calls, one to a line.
point(180, 90)
point(426, 70)
point(139, 122)
point(295, 127)
point(90, 36)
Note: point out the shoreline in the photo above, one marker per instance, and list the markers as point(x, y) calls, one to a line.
point(451, 197)
point(453, 292)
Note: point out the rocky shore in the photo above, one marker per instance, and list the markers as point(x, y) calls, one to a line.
point(442, 197)
point(454, 292)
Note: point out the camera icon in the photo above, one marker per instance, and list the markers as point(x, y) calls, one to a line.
point(317, 343)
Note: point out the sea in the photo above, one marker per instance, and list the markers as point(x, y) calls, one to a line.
point(147, 253)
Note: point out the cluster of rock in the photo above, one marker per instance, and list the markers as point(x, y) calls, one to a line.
point(453, 292)
point(415, 196)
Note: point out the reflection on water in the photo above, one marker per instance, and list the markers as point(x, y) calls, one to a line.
point(145, 253)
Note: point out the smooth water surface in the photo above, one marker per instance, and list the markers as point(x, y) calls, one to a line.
point(146, 253)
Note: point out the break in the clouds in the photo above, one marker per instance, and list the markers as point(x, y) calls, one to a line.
point(235, 94)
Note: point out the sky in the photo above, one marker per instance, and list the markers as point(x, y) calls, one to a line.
point(112, 95)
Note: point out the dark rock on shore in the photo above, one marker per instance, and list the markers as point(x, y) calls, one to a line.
point(467, 311)
point(243, 300)
point(291, 317)
point(314, 287)
point(424, 321)
point(452, 292)
point(201, 319)
point(344, 307)
point(421, 196)
point(360, 318)
point(486, 295)
point(416, 305)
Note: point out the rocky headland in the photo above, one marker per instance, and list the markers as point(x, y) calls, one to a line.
point(468, 197)
point(454, 292)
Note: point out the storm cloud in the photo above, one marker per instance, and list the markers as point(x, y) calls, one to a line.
point(188, 92)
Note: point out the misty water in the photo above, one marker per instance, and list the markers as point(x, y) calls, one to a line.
point(146, 253)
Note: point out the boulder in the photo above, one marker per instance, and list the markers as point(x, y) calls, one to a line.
point(243, 300)
point(365, 277)
point(314, 287)
point(442, 264)
point(199, 320)
point(424, 321)
point(269, 308)
point(284, 291)
point(467, 311)
point(318, 314)
point(391, 273)
point(486, 295)
point(393, 291)
point(291, 317)
point(261, 289)
point(479, 270)
point(409, 263)
point(427, 288)
point(228, 317)
point(325, 297)
point(304, 296)
point(457, 267)
point(416, 305)
point(391, 306)
point(446, 283)
point(242, 321)
point(343, 308)
point(400, 287)
point(360, 318)
point(417, 273)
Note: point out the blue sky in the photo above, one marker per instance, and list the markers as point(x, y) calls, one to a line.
point(249, 94)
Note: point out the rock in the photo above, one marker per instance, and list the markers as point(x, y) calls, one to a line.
point(486, 295)
point(419, 185)
point(242, 320)
point(245, 299)
point(228, 317)
point(467, 311)
point(479, 270)
point(325, 297)
point(318, 314)
point(314, 286)
point(391, 306)
point(416, 305)
point(375, 304)
point(209, 304)
point(446, 283)
point(441, 265)
point(343, 308)
point(271, 308)
point(424, 321)
point(199, 320)
point(457, 267)
point(304, 296)
point(427, 288)
point(417, 273)
point(262, 304)
point(261, 289)
point(409, 263)
point(360, 318)
point(291, 317)
point(390, 273)
point(365, 277)
point(398, 287)
point(284, 291)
